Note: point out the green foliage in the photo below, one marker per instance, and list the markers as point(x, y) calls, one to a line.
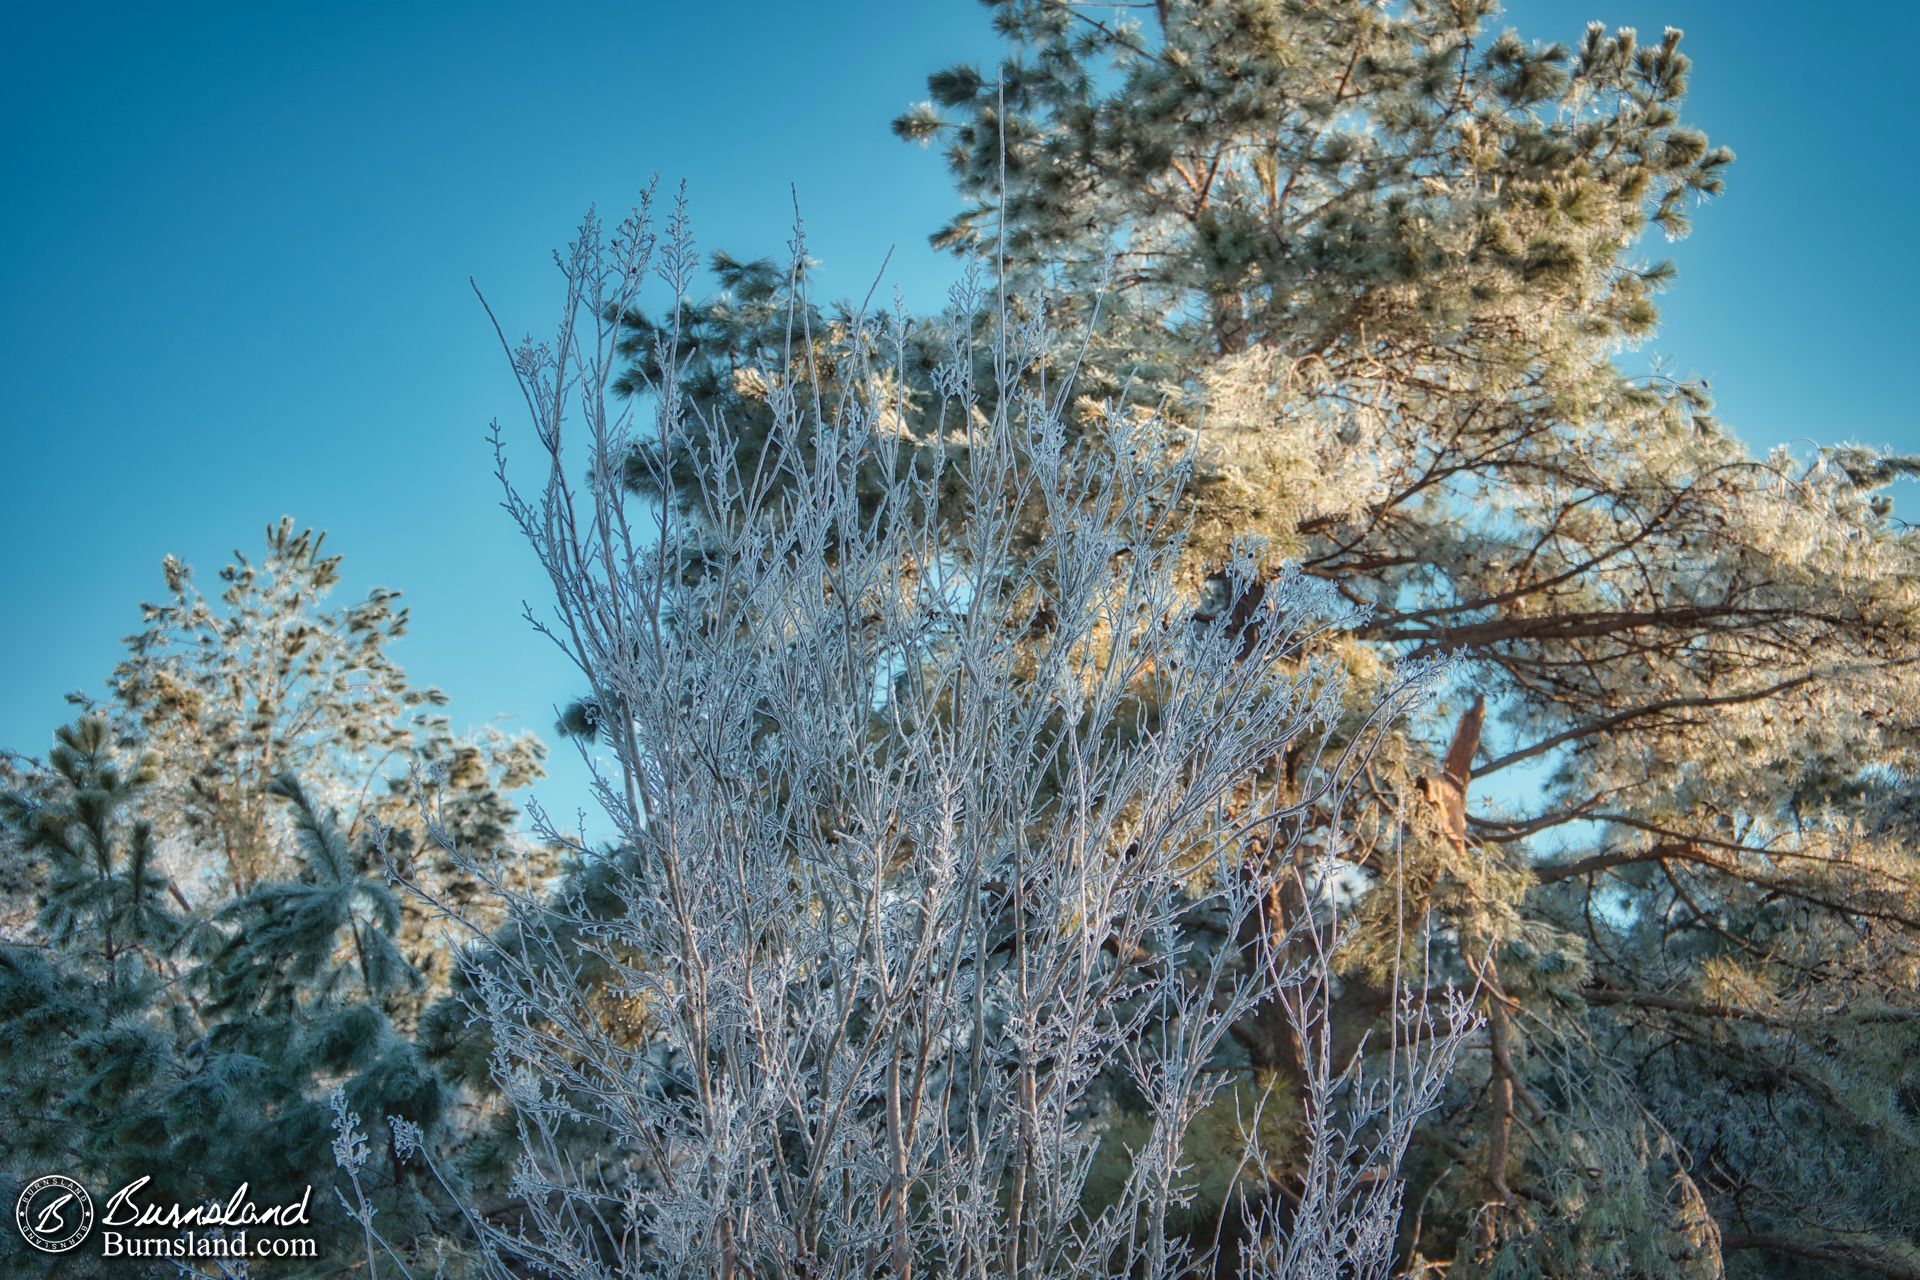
point(306, 939)
point(203, 950)
point(150, 1039)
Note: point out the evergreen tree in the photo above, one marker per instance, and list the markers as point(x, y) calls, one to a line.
point(150, 1039)
point(1381, 261)
point(203, 952)
point(271, 679)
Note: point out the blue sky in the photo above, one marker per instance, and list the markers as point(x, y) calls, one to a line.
point(237, 239)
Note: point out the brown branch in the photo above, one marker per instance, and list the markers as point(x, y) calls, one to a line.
point(1448, 792)
point(1671, 1004)
point(1834, 1251)
point(1650, 709)
point(1689, 850)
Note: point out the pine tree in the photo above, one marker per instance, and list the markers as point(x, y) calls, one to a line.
point(203, 951)
point(91, 1002)
point(150, 1038)
point(1381, 262)
point(272, 679)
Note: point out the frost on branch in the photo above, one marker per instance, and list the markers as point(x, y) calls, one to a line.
point(950, 832)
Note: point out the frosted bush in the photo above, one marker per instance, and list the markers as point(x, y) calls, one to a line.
point(946, 829)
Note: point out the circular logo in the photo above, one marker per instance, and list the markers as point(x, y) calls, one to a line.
point(54, 1213)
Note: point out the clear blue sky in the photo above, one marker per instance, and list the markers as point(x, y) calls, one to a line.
point(237, 239)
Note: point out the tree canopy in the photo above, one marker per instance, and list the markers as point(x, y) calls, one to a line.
point(1386, 262)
